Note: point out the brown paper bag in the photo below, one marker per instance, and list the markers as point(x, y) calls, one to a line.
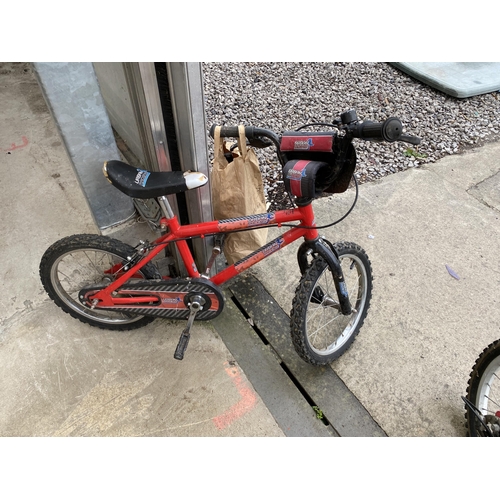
point(237, 191)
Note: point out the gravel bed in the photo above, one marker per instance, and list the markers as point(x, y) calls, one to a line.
point(283, 96)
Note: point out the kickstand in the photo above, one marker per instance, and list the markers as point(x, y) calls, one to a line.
point(195, 306)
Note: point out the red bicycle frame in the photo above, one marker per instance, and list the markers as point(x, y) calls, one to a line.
point(178, 234)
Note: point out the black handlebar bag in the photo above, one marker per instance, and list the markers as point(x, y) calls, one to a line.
point(314, 165)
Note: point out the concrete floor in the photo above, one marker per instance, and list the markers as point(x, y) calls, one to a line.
point(61, 377)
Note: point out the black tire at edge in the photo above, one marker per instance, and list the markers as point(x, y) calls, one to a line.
point(488, 355)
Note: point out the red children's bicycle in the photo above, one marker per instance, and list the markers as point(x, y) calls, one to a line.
point(109, 284)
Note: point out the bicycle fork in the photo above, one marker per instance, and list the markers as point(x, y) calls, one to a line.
point(326, 250)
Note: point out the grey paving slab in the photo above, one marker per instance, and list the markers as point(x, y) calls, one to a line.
point(410, 363)
point(488, 191)
point(63, 378)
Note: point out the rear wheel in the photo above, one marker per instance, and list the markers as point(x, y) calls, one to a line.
point(483, 392)
point(86, 260)
point(320, 332)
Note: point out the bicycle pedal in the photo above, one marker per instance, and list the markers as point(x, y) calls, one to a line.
point(196, 305)
point(182, 345)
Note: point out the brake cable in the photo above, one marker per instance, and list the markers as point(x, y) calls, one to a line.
point(332, 223)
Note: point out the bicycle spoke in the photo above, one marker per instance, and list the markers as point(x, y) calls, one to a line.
point(323, 326)
point(493, 402)
point(78, 261)
point(93, 263)
point(90, 260)
point(67, 279)
point(73, 286)
point(327, 282)
point(317, 310)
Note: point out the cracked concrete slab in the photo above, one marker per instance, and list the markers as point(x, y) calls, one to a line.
point(488, 191)
point(410, 364)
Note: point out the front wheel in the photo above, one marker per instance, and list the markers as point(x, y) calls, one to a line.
point(320, 332)
point(86, 260)
point(483, 391)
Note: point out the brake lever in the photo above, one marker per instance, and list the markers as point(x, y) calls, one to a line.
point(255, 142)
point(258, 142)
point(410, 139)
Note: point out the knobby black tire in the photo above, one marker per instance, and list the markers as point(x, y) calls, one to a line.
point(95, 245)
point(483, 373)
point(313, 289)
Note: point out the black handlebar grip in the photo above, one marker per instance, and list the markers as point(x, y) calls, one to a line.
point(390, 130)
point(368, 130)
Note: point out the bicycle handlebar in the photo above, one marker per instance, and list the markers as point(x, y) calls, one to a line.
point(390, 130)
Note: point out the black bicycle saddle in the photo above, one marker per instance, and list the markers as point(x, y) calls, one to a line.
point(139, 183)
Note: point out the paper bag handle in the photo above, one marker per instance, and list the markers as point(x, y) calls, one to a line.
point(242, 141)
point(217, 138)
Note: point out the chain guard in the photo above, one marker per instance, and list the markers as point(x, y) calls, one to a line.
point(170, 298)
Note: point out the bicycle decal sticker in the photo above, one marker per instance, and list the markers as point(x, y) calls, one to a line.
point(261, 220)
point(232, 224)
point(274, 246)
point(142, 177)
point(296, 175)
point(244, 222)
point(307, 142)
point(303, 145)
point(174, 300)
point(258, 255)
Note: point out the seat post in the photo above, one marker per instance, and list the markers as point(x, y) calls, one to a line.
point(165, 207)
